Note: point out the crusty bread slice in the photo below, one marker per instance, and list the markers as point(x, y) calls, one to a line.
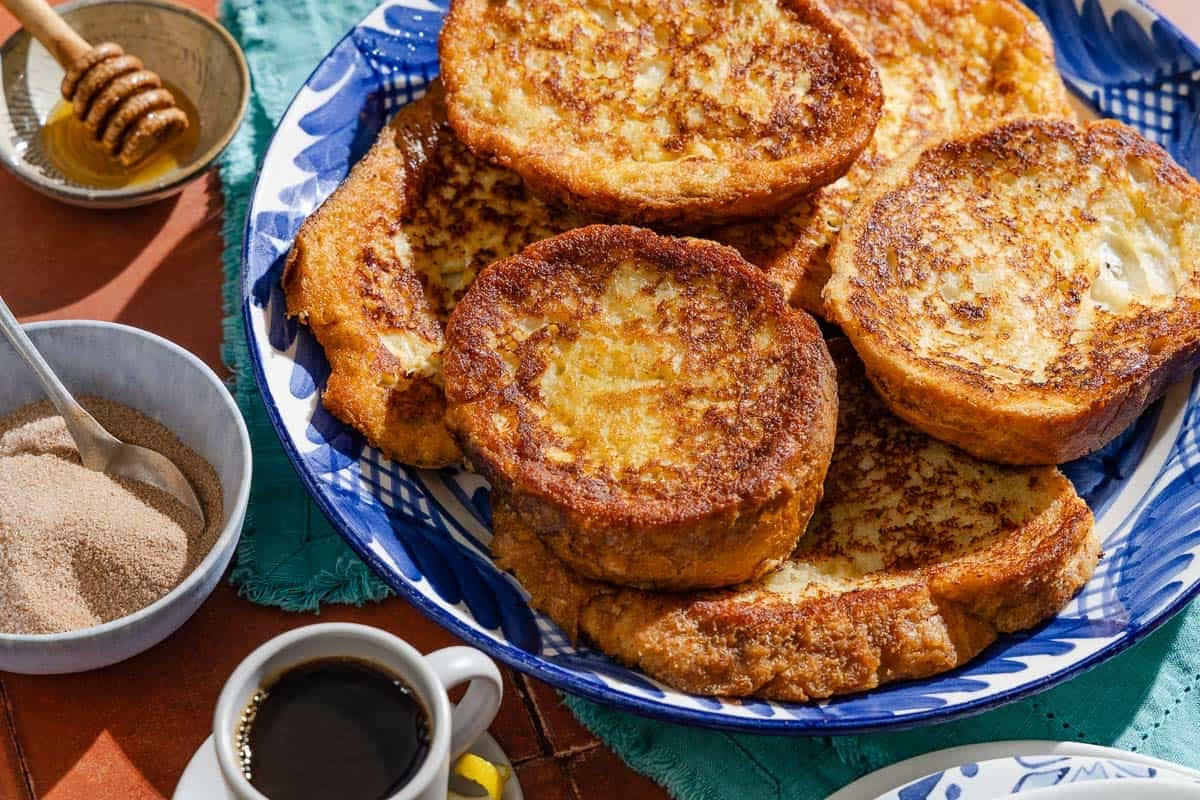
point(943, 64)
point(916, 558)
point(376, 270)
point(678, 111)
point(651, 405)
point(1024, 291)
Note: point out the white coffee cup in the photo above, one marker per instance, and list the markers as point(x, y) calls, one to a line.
point(452, 728)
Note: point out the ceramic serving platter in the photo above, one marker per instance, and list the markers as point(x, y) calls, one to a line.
point(1033, 768)
point(427, 532)
point(1026, 775)
point(998, 769)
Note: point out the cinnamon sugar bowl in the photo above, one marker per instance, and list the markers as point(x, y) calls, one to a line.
point(94, 570)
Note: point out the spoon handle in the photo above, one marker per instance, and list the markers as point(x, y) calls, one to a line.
point(44, 23)
point(93, 442)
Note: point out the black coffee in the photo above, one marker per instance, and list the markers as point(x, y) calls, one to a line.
point(337, 727)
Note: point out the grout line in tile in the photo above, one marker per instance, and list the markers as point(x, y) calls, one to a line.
point(543, 737)
point(567, 764)
point(561, 766)
point(11, 730)
point(570, 778)
point(578, 750)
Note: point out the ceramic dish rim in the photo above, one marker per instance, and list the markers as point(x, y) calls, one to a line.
point(1153, 789)
point(230, 531)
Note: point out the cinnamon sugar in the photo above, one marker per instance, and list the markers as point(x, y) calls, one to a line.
point(78, 547)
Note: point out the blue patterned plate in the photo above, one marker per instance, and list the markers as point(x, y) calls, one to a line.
point(1001, 777)
point(427, 533)
point(989, 770)
point(995, 769)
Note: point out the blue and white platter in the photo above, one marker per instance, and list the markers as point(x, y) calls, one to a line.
point(991, 770)
point(427, 532)
point(1002, 777)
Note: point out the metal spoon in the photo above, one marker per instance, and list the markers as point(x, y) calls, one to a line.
point(98, 449)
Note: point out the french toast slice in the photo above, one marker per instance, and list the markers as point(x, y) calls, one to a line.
point(650, 405)
point(376, 270)
point(677, 112)
point(1024, 291)
point(942, 64)
point(917, 557)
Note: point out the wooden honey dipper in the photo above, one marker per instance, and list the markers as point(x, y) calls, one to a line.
point(124, 107)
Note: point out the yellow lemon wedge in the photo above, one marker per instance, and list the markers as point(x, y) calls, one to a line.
point(483, 773)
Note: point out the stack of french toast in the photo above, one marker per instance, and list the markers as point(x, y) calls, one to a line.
point(587, 264)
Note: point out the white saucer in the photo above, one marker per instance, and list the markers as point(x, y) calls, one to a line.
point(202, 778)
point(897, 775)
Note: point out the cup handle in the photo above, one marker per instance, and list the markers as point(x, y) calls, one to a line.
point(472, 716)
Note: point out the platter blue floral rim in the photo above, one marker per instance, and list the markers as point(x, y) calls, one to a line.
point(425, 532)
point(1003, 768)
point(1014, 775)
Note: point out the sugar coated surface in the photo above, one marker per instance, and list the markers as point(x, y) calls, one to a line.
point(79, 548)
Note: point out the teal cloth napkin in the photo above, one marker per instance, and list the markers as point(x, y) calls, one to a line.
point(289, 555)
point(1146, 700)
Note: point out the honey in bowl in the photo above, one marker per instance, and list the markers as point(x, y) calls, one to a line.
point(81, 159)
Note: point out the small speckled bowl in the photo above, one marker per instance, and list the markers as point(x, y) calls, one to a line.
point(185, 48)
point(169, 384)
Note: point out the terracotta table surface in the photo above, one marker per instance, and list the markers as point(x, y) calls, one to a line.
point(1184, 13)
point(129, 730)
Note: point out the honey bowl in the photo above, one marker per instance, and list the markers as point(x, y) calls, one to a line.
point(49, 150)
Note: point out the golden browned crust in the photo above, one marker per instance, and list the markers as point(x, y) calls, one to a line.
point(376, 270)
point(1024, 291)
point(650, 405)
point(942, 63)
point(917, 557)
point(684, 111)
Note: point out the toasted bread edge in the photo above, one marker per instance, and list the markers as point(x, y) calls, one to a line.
point(311, 281)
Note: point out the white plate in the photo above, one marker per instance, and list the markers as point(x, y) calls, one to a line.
point(1034, 751)
point(202, 779)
